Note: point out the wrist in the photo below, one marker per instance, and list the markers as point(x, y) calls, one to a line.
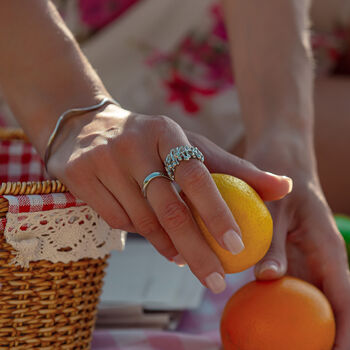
point(280, 130)
point(45, 92)
point(285, 152)
point(83, 129)
point(51, 114)
point(70, 114)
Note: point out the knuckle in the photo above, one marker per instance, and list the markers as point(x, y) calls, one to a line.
point(161, 121)
point(118, 222)
point(244, 163)
point(219, 217)
point(198, 264)
point(163, 124)
point(146, 225)
point(333, 249)
point(196, 176)
point(330, 237)
point(175, 215)
point(332, 246)
point(335, 240)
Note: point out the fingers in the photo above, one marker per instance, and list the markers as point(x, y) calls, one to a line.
point(104, 203)
point(336, 284)
point(269, 186)
point(177, 220)
point(172, 212)
point(322, 251)
point(336, 287)
point(141, 214)
point(121, 163)
point(274, 263)
point(338, 293)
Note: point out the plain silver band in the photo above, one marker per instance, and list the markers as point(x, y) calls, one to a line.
point(150, 177)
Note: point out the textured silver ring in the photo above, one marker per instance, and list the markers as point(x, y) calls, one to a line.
point(178, 154)
point(149, 178)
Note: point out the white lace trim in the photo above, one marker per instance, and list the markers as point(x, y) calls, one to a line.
point(61, 235)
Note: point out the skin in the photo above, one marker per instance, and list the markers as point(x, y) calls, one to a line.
point(280, 138)
point(332, 103)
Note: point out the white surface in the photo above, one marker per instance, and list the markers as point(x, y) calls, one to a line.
point(141, 276)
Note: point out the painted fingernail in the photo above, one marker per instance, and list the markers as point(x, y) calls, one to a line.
point(233, 242)
point(179, 260)
point(268, 266)
point(215, 282)
point(290, 182)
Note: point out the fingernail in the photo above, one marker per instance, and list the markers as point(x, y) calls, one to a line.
point(270, 266)
point(233, 242)
point(215, 282)
point(290, 182)
point(179, 260)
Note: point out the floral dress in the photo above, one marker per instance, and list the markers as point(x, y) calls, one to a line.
point(166, 57)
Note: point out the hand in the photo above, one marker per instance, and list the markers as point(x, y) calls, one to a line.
point(103, 159)
point(306, 242)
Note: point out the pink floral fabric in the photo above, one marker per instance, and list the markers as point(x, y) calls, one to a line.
point(199, 68)
point(201, 64)
point(98, 13)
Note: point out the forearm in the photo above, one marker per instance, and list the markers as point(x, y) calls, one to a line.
point(42, 70)
point(273, 67)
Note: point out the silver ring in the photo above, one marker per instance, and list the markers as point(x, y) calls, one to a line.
point(149, 178)
point(176, 155)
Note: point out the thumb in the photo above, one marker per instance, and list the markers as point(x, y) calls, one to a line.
point(274, 263)
point(269, 186)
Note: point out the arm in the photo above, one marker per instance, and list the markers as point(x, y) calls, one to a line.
point(42, 70)
point(273, 70)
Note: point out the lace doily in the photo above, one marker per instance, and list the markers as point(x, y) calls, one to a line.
point(61, 235)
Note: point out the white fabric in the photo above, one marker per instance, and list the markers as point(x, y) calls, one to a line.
point(61, 235)
point(119, 52)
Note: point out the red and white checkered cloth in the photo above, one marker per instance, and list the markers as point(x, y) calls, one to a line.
point(19, 161)
point(42, 202)
point(37, 202)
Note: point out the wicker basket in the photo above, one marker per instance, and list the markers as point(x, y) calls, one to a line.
point(48, 305)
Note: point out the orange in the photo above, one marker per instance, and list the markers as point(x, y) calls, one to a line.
point(251, 215)
point(286, 314)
